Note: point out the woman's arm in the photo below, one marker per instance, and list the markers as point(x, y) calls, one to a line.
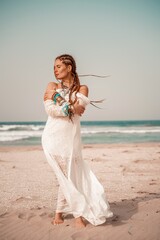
point(82, 100)
point(84, 90)
point(51, 108)
point(50, 90)
point(55, 110)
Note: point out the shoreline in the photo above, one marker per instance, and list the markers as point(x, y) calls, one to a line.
point(98, 145)
point(128, 172)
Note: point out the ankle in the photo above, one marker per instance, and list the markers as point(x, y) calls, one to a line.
point(78, 219)
point(58, 215)
point(79, 222)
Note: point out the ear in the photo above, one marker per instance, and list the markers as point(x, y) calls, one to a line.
point(69, 68)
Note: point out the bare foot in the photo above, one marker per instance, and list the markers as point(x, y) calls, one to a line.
point(58, 219)
point(79, 223)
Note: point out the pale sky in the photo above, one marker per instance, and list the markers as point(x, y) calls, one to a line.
point(116, 37)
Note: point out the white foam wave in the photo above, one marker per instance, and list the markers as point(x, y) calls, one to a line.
point(120, 131)
point(19, 132)
point(21, 127)
point(18, 135)
point(11, 138)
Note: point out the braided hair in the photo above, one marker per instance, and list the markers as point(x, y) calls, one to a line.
point(69, 60)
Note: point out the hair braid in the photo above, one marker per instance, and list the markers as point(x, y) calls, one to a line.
point(69, 60)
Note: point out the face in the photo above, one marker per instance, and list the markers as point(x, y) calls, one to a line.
point(61, 71)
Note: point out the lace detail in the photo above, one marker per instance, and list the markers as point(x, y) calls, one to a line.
point(62, 163)
point(61, 201)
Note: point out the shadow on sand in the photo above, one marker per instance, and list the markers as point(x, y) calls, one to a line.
point(126, 208)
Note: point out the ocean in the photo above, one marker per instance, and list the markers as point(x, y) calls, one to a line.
point(98, 132)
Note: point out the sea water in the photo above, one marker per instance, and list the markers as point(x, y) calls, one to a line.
point(98, 132)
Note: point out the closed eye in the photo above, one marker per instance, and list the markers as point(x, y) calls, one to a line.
point(58, 66)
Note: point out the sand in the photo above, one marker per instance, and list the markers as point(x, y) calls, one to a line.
point(130, 174)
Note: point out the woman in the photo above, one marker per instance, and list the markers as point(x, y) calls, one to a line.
point(80, 193)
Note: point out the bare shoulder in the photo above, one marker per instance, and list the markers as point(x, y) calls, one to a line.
point(52, 86)
point(84, 90)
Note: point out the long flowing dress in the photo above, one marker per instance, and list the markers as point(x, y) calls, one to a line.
point(80, 192)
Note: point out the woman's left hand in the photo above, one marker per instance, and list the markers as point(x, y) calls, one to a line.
point(49, 95)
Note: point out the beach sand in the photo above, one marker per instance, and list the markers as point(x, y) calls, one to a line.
point(130, 174)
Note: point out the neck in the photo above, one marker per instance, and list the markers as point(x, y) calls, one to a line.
point(67, 82)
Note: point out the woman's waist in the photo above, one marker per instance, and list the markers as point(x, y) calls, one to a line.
point(62, 124)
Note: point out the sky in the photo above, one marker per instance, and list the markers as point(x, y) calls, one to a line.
point(120, 38)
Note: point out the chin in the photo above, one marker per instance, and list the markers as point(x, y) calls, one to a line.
point(57, 78)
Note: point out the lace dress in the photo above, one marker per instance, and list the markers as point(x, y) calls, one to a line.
point(80, 192)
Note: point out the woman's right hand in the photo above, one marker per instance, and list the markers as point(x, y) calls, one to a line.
point(78, 109)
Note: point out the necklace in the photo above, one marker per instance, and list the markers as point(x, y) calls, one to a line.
point(65, 88)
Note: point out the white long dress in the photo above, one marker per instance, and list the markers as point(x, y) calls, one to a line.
point(80, 192)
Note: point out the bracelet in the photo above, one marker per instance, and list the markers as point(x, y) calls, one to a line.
point(55, 97)
point(54, 94)
point(71, 111)
point(65, 108)
point(61, 102)
point(68, 110)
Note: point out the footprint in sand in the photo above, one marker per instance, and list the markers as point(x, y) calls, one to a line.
point(152, 183)
point(43, 214)
point(26, 216)
point(20, 199)
point(22, 215)
point(3, 214)
point(31, 215)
